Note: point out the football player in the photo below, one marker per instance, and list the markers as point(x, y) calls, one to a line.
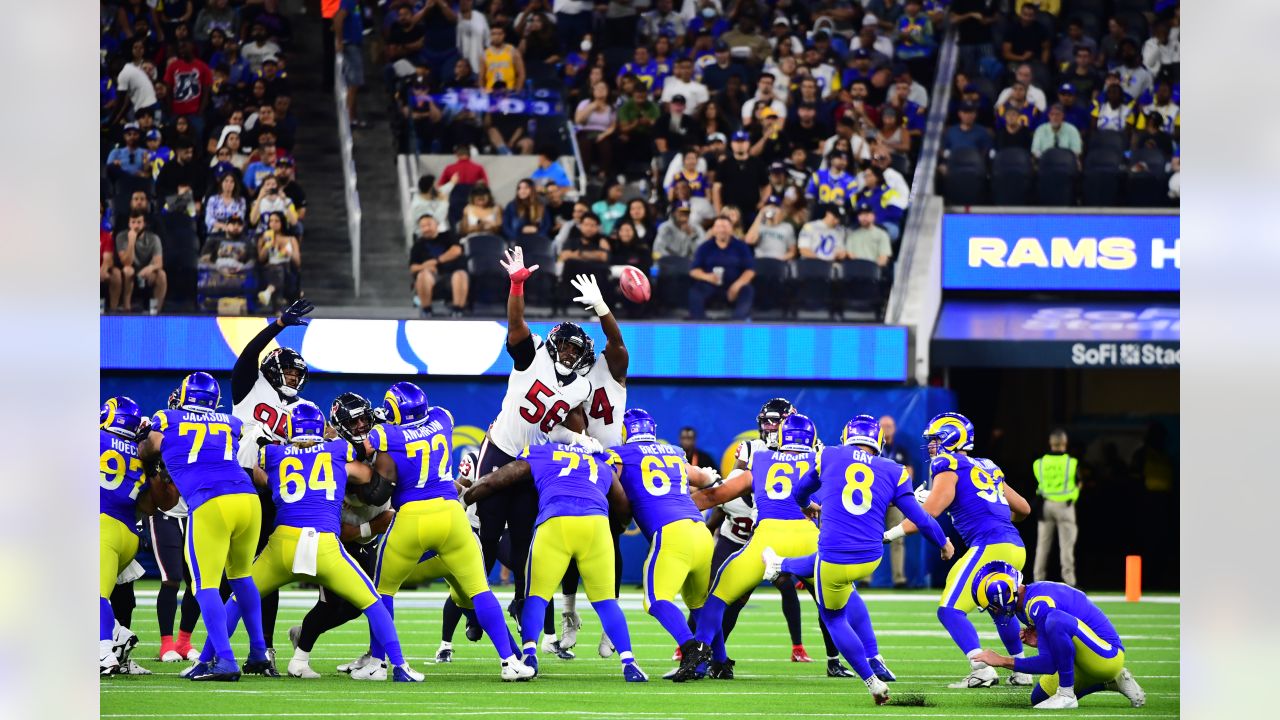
point(123, 492)
point(415, 451)
point(454, 611)
point(771, 476)
point(576, 488)
point(983, 509)
point(855, 487)
point(1082, 651)
point(167, 531)
point(199, 446)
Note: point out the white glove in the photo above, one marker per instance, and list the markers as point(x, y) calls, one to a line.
point(922, 494)
point(514, 265)
point(589, 294)
point(894, 533)
point(591, 444)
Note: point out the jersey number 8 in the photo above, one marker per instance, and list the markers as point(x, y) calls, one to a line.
point(321, 478)
point(857, 478)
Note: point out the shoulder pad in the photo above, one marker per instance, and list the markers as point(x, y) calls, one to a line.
point(160, 421)
point(378, 438)
point(614, 457)
point(943, 462)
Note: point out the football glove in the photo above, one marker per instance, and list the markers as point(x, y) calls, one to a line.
point(922, 494)
point(589, 294)
point(514, 265)
point(293, 315)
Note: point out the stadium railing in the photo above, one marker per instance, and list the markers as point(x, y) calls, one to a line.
point(351, 194)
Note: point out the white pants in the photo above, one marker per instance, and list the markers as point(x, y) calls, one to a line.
point(1059, 516)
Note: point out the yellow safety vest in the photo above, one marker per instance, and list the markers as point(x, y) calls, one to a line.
point(1056, 477)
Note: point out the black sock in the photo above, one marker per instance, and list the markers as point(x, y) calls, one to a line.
point(451, 616)
point(323, 617)
point(166, 608)
point(790, 607)
point(731, 617)
point(270, 604)
point(122, 603)
point(549, 619)
point(190, 612)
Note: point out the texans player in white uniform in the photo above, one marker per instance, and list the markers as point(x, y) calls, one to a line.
point(261, 396)
point(544, 394)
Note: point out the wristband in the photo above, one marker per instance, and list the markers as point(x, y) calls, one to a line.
point(601, 309)
point(365, 531)
point(894, 533)
point(517, 288)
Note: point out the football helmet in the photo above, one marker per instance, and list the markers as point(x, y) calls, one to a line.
point(995, 588)
point(277, 363)
point(863, 430)
point(639, 426)
point(948, 432)
point(469, 462)
point(199, 392)
point(121, 416)
point(173, 399)
point(770, 415)
point(571, 348)
point(797, 432)
point(351, 416)
point(405, 404)
point(306, 422)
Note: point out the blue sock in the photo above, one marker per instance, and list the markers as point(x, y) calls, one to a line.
point(800, 566)
point(672, 620)
point(232, 609)
point(855, 613)
point(489, 613)
point(376, 649)
point(250, 602)
point(215, 625)
point(1056, 638)
point(1008, 627)
point(847, 641)
point(615, 626)
point(384, 629)
point(531, 618)
point(106, 619)
point(710, 618)
point(719, 652)
point(1089, 690)
point(1038, 695)
point(961, 630)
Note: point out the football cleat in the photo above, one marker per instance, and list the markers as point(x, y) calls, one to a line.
point(265, 666)
point(879, 691)
point(444, 653)
point(772, 564)
point(693, 653)
point(217, 670)
point(982, 677)
point(837, 669)
point(570, 623)
point(1017, 678)
point(375, 670)
point(197, 668)
point(699, 673)
point(189, 652)
point(605, 648)
point(131, 667)
point(550, 645)
point(474, 630)
point(881, 670)
point(171, 655)
point(1127, 686)
point(798, 654)
point(356, 664)
point(302, 669)
point(516, 671)
point(404, 673)
point(1064, 699)
point(123, 641)
point(720, 671)
point(675, 656)
point(631, 672)
point(530, 661)
point(108, 664)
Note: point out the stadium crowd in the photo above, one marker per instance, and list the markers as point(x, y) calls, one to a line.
point(200, 203)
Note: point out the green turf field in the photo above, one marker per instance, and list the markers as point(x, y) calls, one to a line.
point(768, 685)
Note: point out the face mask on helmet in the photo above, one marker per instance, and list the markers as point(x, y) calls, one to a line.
point(572, 349)
point(286, 371)
point(771, 415)
point(352, 417)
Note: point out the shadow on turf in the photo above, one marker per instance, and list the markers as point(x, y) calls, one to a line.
point(909, 700)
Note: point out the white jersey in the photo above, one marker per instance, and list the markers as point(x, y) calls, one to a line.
point(265, 414)
point(739, 521)
point(747, 448)
point(606, 405)
point(535, 403)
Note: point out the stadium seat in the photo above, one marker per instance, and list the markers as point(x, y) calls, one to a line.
point(1148, 187)
point(1103, 175)
point(1056, 180)
point(1135, 24)
point(488, 279)
point(1011, 177)
point(813, 284)
point(673, 283)
point(772, 293)
point(860, 285)
point(540, 288)
point(1108, 140)
point(966, 179)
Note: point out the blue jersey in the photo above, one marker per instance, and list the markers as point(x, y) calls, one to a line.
point(422, 454)
point(774, 476)
point(656, 481)
point(1041, 597)
point(855, 489)
point(308, 483)
point(120, 478)
point(979, 510)
point(199, 450)
point(697, 182)
point(570, 481)
point(651, 73)
point(830, 188)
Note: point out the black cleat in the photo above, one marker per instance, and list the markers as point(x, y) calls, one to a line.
point(720, 671)
point(514, 609)
point(265, 667)
point(836, 669)
point(474, 630)
point(692, 654)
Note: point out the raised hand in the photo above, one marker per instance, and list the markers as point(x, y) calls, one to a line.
point(293, 315)
point(514, 265)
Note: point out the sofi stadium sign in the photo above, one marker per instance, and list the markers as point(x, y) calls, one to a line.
point(1061, 252)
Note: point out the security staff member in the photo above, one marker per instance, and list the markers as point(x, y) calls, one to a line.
point(1056, 484)
point(898, 454)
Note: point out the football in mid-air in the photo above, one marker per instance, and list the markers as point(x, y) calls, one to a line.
point(634, 284)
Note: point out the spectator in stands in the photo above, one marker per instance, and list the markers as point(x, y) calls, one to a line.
point(464, 170)
point(734, 215)
point(262, 162)
point(884, 199)
point(1057, 133)
point(967, 134)
point(916, 43)
point(1115, 112)
point(722, 269)
point(1136, 80)
point(824, 238)
point(268, 15)
point(1023, 77)
point(868, 241)
point(784, 191)
point(765, 97)
point(1019, 102)
point(676, 130)
point(437, 255)
point(1175, 178)
point(480, 215)
point(1110, 47)
point(1161, 50)
point(609, 209)
point(227, 265)
point(133, 82)
point(508, 132)
point(625, 248)
point(771, 236)
point(1074, 113)
point(693, 454)
point(596, 121)
point(1082, 75)
point(406, 36)
point(886, 13)
point(129, 159)
point(540, 49)
point(585, 252)
point(228, 203)
point(1025, 40)
point(677, 237)
point(892, 134)
point(745, 41)
point(181, 173)
point(262, 122)
point(290, 187)
point(271, 200)
point(279, 261)
point(662, 20)
point(525, 214)
point(637, 118)
point(716, 75)
point(216, 14)
point(893, 180)
point(472, 34)
point(560, 210)
point(569, 228)
point(259, 47)
point(191, 81)
point(109, 277)
point(1167, 110)
point(1013, 130)
point(639, 218)
point(230, 141)
point(501, 63)
point(348, 41)
point(1074, 38)
point(740, 178)
point(429, 201)
point(141, 258)
point(1150, 132)
point(805, 129)
point(549, 169)
point(682, 83)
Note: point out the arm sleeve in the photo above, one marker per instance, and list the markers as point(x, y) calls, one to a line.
point(522, 353)
point(245, 372)
point(1041, 664)
point(375, 492)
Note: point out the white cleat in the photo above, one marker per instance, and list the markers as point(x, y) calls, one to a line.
point(302, 669)
point(356, 664)
point(980, 677)
point(1018, 678)
point(171, 656)
point(374, 670)
point(605, 648)
point(570, 623)
point(131, 667)
point(1064, 699)
point(1127, 686)
point(193, 655)
point(515, 671)
point(107, 662)
point(550, 645)
point(444, 653)
point(123, 641)
point(675, 656)
point(879, 689)
point(772, 564)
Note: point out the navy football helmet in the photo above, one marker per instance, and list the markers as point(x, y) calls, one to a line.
point(571, 348)
point(121, 416)
point(797, 432)
point(948, 432)
point(199, 392)
point(995, 588)
point(352, 417)
point(770, 416)
point(405, 404)
point(639, 425)
point(280, 363)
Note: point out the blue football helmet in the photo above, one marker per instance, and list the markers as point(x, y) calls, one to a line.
point(863, 430)
point(405, 404)
point(639, 425)
point(995, 588)
point(951, 431)
point(199, 392)
point(306, 422)
point(797, 432)
point(121, 416)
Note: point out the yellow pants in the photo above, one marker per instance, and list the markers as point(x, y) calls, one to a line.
point(117, 544)
point(222, 536)
point(335, 569)
point(434, 569)
point(424, 525)
point(1097, 661)
point(679, 561)
point(585, 539)
point(745, 569)
point(957, 593)
point(834, 581)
